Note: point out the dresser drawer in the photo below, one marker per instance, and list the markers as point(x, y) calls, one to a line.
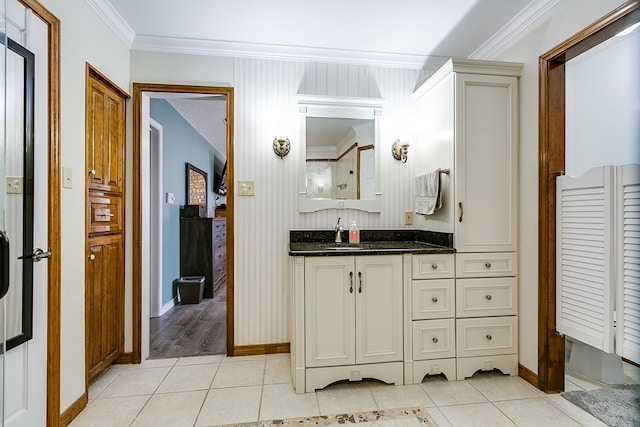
point(433, 299)
point(219, 229)
point(105, 214)
point(433, 339)
point(496, 296)
point(432, 266)
point(487, 336)
point(486, 264)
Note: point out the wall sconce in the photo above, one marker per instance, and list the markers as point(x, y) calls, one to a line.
point(399, 150)
point(281, 146)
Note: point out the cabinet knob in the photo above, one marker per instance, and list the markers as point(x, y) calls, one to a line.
point(435, 340)
point(92, 257)
point(434, 266)
point(434, 299)
point(488, 265)
point(92, 172)
point(489, 337)
point(488, 297)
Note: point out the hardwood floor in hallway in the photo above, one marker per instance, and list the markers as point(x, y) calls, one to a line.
point(191, 329)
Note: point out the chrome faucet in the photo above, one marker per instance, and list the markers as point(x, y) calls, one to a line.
point(338, 231)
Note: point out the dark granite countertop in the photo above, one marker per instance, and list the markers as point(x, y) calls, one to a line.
point(372, 242)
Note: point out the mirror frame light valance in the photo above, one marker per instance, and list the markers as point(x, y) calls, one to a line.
point(347, 108)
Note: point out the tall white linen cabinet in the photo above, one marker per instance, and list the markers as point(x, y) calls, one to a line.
point(474, 106)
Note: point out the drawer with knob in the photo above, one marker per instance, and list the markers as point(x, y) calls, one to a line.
point(432, 266)
point(486, 336)
point(433, 299)
point(486, 264)
point(105, 213)
point(486, 297)
point(433, 339)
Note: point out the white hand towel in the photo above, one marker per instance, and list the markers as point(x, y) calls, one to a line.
point(427, 193)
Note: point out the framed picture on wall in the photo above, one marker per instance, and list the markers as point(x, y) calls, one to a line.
point(196, 188)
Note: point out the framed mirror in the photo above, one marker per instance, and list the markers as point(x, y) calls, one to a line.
point(341, 168)
point(19, 202)
point(196, 190)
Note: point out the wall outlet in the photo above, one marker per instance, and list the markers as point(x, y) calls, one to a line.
point(247, 188)
point(408, 217)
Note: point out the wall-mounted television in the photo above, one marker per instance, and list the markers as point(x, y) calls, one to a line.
point(220, 181)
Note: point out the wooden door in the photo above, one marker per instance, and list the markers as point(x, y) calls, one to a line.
point(104, 303)
point(486, 163)
point(105, 136)
point(378, 289)
point(329, 311)
point(105, 182)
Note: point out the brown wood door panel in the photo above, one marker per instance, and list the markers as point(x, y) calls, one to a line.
point(105, 137)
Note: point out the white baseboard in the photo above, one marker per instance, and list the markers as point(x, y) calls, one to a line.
point(168, 306)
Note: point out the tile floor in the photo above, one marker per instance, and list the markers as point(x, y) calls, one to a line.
point(216, 390)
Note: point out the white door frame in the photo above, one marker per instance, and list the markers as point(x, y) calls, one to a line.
point(155, 196)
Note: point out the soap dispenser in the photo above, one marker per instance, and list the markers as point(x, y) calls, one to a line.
point(354, 233)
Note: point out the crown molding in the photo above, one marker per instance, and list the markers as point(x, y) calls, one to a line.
point(114, 20)
point(149, 43)
point(519, 24)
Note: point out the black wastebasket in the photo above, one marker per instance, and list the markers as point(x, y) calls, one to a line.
point(189, 289)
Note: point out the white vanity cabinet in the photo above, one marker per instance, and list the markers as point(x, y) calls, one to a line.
point(347, 320)
point(431, 330)
point(471, 124)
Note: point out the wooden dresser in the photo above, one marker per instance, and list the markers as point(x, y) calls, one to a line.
point(203, 250)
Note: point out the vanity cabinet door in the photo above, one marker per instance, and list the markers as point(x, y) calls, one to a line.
point(379, 308)
point(329, 301)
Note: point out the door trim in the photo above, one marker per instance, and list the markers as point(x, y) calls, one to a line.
point(138, 90)
point(551, 73)
point(54, 221)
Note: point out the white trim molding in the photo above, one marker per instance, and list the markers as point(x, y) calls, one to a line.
point(114, 20)
point(518, 25)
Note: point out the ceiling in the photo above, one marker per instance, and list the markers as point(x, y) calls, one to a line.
point(403, 33)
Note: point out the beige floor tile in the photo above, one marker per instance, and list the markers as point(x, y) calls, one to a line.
point(582, 417)
point(244, 358)
point(345, 398)
point(583, 383)
point(439, 418)
point(476, 415)
point(188, 378)
point(172, 409)
point(445, 393)
point(156, 363)
point(570, 385)
point(534, 413)
point(230, 406)
point(112, 412)
point(391, 396)
point(277, 371)
point(495, 386)
point(199, 360)
point(281, 401)
point(133, 382)
point(105, 378)
point(250, 372)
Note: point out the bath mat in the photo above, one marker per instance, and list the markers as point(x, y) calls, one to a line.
point(410, 417)
point(614, 406)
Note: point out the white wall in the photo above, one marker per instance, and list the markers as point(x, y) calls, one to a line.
point(603, 105)
point(566, 18)
point(84, 38)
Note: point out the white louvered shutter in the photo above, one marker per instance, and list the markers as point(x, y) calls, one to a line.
point(584, 257)
point(628, 235)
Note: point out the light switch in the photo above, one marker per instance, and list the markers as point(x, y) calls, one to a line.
point(171, 198)
point(408, 217)
point(67, 178)
point(247, 188)
point(14, 185)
